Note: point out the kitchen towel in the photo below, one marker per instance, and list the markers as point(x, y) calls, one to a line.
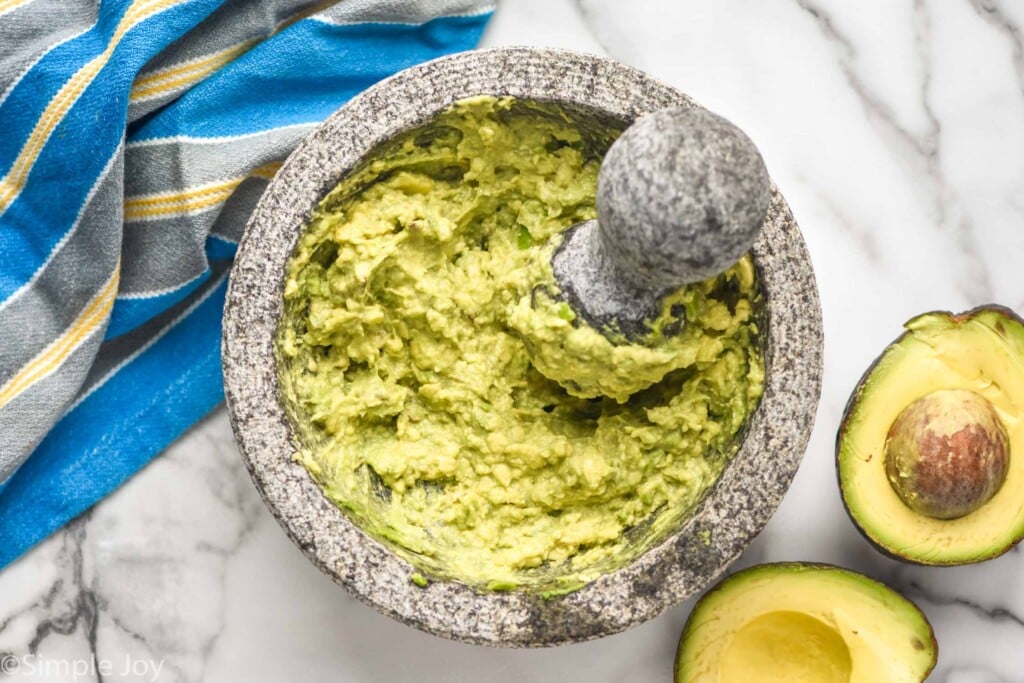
point(136, 136)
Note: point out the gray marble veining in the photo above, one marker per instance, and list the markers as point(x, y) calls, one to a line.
point(255, 610)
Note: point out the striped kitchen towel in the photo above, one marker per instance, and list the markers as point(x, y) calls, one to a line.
point(135, 138)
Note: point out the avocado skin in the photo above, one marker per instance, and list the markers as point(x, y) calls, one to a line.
point(797, 567)
point(855, 396)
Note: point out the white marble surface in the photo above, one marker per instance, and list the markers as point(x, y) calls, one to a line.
point(896, 130)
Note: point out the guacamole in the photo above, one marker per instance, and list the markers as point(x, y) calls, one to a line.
point(451, 401)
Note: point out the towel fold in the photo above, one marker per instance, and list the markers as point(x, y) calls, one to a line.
point(136, 136)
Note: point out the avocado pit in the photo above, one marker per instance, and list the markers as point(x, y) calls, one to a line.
point(947, 453)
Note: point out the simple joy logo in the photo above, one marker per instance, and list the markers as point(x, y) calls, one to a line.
point(37, 667)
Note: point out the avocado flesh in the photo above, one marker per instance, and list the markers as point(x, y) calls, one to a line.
point(980, 351)
point(802, 623)
point(416, 345)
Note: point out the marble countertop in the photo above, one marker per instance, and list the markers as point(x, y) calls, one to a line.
point(896, 131)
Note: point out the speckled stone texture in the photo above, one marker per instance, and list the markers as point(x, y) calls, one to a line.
point(681, 196)
point(724, 523)
point(606, 295)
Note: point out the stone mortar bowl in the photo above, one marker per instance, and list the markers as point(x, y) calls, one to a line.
point(730, 515)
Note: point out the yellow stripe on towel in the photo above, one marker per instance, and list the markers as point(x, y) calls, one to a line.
point(268, 170)
point(12, 183)
point(8, 5)
point(166, 204)
point(184, 75)
point(49, 359)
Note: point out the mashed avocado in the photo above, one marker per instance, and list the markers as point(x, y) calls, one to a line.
point(455, 406)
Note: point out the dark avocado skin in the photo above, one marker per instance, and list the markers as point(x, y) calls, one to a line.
point(855, 397)
point(792, 566)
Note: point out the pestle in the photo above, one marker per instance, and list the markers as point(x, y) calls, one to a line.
point(681, 196)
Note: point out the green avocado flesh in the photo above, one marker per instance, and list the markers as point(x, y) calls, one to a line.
point(420, 305)
point(930, 452)
point(804, 623)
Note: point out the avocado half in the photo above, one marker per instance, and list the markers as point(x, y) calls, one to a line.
point(980, 351)
point(804, 623)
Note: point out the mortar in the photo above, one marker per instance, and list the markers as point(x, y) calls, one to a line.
point(688, 558)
